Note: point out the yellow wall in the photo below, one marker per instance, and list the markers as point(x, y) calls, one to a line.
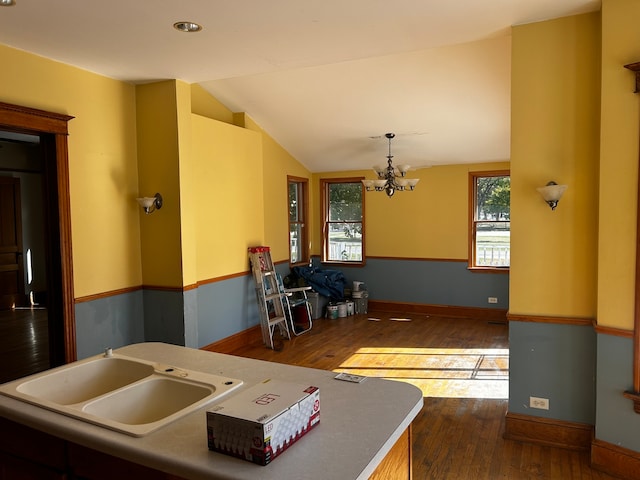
point(618, 164)
point(188, 201)
point(555, 129)
point(158, 165)
point(202, 103)
point(108, 250)
point(102, 163)
point(227, 186)
point(210, 173)
point(432, 221)
point(278, 163)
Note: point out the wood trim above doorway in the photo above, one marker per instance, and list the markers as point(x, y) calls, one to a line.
point(30, 120)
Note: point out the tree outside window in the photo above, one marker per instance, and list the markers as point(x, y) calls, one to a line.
point(343, 220)
point(490, 220)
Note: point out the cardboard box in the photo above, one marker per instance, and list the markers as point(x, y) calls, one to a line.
point(261, 422)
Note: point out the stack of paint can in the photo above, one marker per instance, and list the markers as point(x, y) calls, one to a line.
point(360, 298)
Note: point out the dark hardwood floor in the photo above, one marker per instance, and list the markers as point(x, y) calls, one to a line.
point(461, 365)
point(24, 343)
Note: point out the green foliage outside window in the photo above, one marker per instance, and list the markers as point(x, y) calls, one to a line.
point(343, 224)
point(491, 220)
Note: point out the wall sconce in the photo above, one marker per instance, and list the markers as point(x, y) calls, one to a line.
point(552, 193)
point(150, 204)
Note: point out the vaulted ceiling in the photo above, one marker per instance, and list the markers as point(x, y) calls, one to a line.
point(326, 79)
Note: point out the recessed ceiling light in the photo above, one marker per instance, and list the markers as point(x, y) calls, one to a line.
point(7, 3)
point(188, 27)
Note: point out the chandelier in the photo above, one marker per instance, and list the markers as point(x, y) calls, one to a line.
point(389, 179)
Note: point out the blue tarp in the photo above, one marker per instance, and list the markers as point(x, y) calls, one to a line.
point(329, 283)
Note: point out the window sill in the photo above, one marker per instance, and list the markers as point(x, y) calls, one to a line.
point(343, 264)
point(298, 264)
point(635, 398)
point(488, 269)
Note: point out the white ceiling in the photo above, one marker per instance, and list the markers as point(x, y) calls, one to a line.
point(325, 78)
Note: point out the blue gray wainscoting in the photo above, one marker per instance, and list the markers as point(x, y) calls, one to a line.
point(556, 362)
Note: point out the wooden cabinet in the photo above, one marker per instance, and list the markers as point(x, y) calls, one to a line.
point(92, 465)
point(14, 468)
point(397, 464)
point(28, 454)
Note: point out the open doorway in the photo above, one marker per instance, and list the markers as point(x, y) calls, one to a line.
point(24, 343)
point(37, 326)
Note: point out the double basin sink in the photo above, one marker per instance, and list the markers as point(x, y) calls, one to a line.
point(125, 394)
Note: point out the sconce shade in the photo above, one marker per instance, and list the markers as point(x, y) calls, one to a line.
point(146, 202)
point(150, 204)
point(552, 193)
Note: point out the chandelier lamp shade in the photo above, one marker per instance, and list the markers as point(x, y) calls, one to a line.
point(391, 179)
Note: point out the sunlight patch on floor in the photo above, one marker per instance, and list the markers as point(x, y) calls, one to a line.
point(438, 372)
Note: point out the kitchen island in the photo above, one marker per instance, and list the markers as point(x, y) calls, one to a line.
point(364, 429)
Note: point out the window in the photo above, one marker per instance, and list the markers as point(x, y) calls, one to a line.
point(298, 235)
point(342, 220)
point(489, 218)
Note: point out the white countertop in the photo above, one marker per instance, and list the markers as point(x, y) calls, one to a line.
point(359, 423)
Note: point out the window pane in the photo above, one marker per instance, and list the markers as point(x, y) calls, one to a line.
point(345, 202)
point(293, 202)
point(493, 198)
point(298, 243)
point(295, 239)
point(345, 242)
point(489, 220)
point(343, 220)
point(493, 244)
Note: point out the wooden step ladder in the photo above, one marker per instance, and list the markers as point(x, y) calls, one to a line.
point(270, 295)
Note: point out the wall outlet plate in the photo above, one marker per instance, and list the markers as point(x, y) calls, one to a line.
point(540, 403)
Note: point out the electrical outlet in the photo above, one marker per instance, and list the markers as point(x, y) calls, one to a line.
point(492, 299)
point(540, 403)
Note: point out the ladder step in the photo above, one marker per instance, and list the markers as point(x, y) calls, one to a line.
point(272, 296)
point(276, 320)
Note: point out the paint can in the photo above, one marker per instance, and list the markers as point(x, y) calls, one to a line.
point(332, 311)
point(342, 309)
point(350, 307)
point(362, 305)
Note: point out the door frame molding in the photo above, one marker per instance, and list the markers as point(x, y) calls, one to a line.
point(31, 120)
